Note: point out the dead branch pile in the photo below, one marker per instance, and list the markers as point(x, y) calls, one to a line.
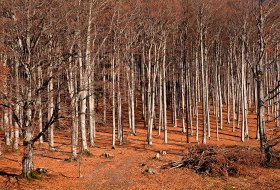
point(218, 161)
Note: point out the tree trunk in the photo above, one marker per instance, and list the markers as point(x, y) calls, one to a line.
point(196, 94)
point(183, 94)
point(114, 106)
point(160, 122)
point(133, 129)
point(7, 127)
point(143, 88)
point(233, 93)
point(174, 95)
point(187, 104)
point(40, 115)
point(243, 92)
point(83, 103)
point(72, 89)
point(50, 109)
point(203, 85)
point(189, 93)
point(104, 98)
point(164, 92)
point(120, 125)
point(266, 150)
point(27, 160)
point(149, 76)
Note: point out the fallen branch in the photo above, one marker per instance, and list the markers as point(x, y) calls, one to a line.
point(218, 161)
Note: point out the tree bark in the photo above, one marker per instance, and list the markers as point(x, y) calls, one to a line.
point(50, 109)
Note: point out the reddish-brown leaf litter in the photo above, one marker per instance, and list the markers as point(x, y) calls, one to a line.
point(134, 165)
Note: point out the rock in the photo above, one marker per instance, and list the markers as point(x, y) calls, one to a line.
point(107, 155)
point(150, 171)
point(143, 164)
point(13, 180)
point(162, 152)
point(41, 170)
point(157, 157)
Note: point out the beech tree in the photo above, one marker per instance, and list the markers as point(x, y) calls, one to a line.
point(30, 38)
point(259, 65)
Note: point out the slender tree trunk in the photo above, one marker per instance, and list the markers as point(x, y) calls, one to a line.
point(120, 126)
point(50, 109)
point(160, 103)
point(40, 115)
point(72, 89)
point(164, 93)
point(183, 95)
point(207, 109)
point(174, 98)
point(149, 76)
point(187, 104)
point(189, 93)
point(217, 101)
point(58, 103)
point(228, 92)
point(243, 91)
point(7, 127)
point(220, 99)
point(91, 106)
point(143, 88)
point(114, 106)
point(89, 79)
point(265, 148)
point(104, 98)
point(6, 116)
point(233, 96)
point(133, 129)
point(260, 113)
point(74, 132)
point(83, 103)
point(196, 94)
point(129, 99)
point(16, 132)
point(203, 84)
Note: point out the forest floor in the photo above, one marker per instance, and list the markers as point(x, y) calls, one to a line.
point(126, 169)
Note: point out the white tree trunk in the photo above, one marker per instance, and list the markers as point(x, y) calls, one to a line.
point(196, 95)
point(174, 99)
point(83, 103)
point(104, 98)
point(164, 93)
point(114, 106)
point(203, 85)
point(7, 127)
point(243, 91)
point(183, 96)
point(50, 108)
point(40, 116)
point(149, 76)
point(133, 129)
point(120, 126)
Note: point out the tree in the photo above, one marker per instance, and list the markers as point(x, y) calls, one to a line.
point(264, 11)
point(30, 35)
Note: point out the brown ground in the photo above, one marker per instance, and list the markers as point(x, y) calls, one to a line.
point(125, 170)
